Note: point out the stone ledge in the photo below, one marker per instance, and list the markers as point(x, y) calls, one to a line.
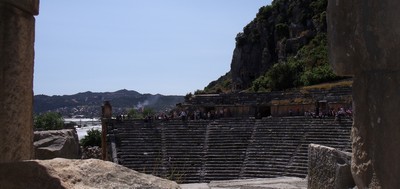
point(31, 6)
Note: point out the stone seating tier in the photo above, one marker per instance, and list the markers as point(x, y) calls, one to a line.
point(202, 151)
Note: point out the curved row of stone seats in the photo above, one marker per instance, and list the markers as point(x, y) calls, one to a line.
point(283, 146)
point(139, 146)
point(184, 149)
point(224, 149)
point(227, 145)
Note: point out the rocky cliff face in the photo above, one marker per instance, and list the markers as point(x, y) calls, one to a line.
point(279, 30)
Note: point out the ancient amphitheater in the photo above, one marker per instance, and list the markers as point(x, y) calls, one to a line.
point(223, 149)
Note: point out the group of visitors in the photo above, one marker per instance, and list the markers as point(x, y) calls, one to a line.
point(199, 115)
point(338, 113)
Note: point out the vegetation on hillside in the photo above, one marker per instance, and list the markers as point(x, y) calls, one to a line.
point(222, 85)
point(308, 67)
point(48, 121)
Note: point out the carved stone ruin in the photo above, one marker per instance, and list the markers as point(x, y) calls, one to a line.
point(364, 41)
point(106, 114)
point(17, 34)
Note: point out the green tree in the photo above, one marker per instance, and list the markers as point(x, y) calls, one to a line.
point(188, 96)
point(148, 112)
point(48, 121)
point(284, 75)
point(133, 113)
point(317, 75)
point(93, 138)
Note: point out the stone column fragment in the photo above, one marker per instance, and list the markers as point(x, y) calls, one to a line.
point(106, 114)
point(364, 41)
point(17, 33)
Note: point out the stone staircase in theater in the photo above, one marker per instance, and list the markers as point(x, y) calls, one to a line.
point(225, 149)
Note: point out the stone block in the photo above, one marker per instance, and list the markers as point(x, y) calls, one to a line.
point(57, 143)
point(328, 168)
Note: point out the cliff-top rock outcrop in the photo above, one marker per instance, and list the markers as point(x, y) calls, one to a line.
point(288, 34)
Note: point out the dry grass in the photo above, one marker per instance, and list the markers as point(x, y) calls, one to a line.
point(327, 86)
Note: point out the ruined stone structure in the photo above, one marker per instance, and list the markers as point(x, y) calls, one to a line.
point(276, 103)
point(106, 114)
point(17, 28)
point(223, 149)
point(364, 41)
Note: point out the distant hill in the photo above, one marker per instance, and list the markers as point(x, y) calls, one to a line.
point(88, 104)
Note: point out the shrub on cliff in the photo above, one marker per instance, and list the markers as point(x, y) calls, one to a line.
point(93, 138)
point(308, 67)
point(318, 75)
point(48, 121)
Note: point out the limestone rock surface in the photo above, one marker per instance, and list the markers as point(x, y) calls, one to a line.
point(57, 143)
point(328, 168)
point(278, 31)
point(76, 174)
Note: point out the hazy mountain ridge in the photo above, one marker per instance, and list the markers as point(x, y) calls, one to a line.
point(89, 103)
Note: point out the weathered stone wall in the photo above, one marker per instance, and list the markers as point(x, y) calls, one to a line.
point(364, 41)
point(279, 103)
point(17, 28)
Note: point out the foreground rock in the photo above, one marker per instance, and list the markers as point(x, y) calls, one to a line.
point(57, 143)
point(328, 168)
point(91, 152)
point(76, 174)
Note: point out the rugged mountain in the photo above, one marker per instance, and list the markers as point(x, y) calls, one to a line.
point(284, 46)
point(89, 103)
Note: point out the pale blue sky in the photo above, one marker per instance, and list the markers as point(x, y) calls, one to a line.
point(171, 47)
